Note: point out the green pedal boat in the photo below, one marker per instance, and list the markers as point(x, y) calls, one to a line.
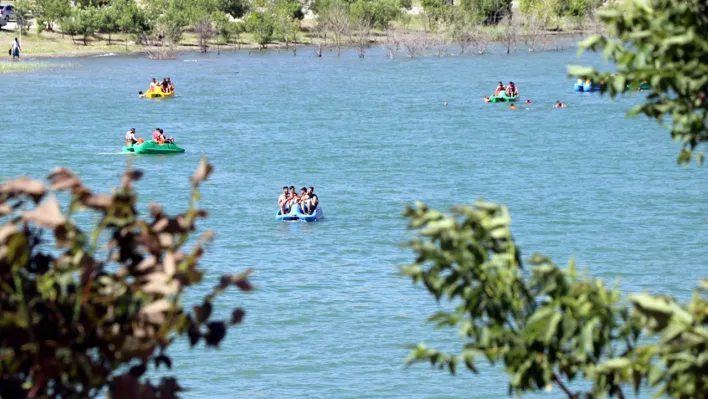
point(502, 98)
point(151, 147)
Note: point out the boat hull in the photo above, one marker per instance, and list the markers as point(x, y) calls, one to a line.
point(151, 147)
point(159, 94)
point(296, 215)
point(586, 87)
point(503, 98)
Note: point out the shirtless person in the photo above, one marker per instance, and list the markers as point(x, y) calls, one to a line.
point(313, 200)
point(293, 198)
point(304, 199)
point(283, 201)
point(559, 104)
point(500, 89)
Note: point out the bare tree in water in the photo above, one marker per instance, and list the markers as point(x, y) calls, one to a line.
point(319, 32)
point(479, 39)
point(337, 21)
point(534, 26)
point(159, 45)
point(415, 44)
point(509, 35)
point(391, 42)
point(361, 31)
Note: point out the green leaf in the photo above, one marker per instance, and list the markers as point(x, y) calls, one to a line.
point(617, 363)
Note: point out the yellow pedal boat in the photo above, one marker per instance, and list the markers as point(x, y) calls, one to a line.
point(158, 94)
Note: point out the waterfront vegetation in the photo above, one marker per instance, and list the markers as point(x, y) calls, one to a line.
point(162, 27)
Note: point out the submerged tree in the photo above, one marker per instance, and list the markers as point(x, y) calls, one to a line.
point(79, 317)
point(663, 43)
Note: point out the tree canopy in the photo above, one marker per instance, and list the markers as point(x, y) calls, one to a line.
point(550, 325)
point(78, 316)
point(665, 43)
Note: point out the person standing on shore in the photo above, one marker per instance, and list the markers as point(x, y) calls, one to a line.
point(16, 49)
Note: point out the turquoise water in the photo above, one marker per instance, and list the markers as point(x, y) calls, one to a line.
point(331, 314)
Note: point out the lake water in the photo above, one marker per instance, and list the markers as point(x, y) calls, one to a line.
point(331, 314)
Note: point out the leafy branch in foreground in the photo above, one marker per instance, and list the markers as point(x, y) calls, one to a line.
point(665, 43)
point(550, 325)
point(73, 315)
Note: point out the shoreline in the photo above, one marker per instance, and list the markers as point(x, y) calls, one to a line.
point(98, 45)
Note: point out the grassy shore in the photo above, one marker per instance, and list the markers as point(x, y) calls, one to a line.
point(55, 44)
point(23, 66)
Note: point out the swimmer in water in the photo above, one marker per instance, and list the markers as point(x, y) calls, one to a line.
point(559, 104)
point(445, 103)
point(528, 102)
point(487, 99)
point(141, 94)
point(512, 106)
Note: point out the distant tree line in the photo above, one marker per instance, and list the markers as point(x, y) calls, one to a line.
point(160, 24)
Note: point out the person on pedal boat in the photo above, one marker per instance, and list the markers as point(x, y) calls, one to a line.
point(170, 86)
point(153, 86)
point(293, 198)
point(283, 201)
point(500, 89)
point(304, 199)
point(130, 138)
point(511, 90)
point(158, 136)
point(312, 201)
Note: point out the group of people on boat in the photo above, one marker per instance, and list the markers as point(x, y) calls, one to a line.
point(511, 90)
point(158, 136)
point(166, 86)
point(307, 200)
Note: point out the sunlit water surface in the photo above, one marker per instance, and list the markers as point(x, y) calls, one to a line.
point(331, 314)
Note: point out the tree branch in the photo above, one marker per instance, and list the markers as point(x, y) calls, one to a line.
point(557, 380)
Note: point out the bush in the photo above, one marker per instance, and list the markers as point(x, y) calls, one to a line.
point(75, 316)
point(262, 26)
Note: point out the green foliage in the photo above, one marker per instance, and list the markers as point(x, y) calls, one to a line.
point(77, 320)
point(49, 12)
point(129, 17)
point(404, 4)
point(663, 42)
point(229, 30)
point(286, 18)
point(490, 12)
point(380, 13)
point(262, 26)
point(23, 10)
point(560, 8)
point(235, 8)
point(82, 21)
point(107, 21)
point(549, 325)
point(437, 11)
